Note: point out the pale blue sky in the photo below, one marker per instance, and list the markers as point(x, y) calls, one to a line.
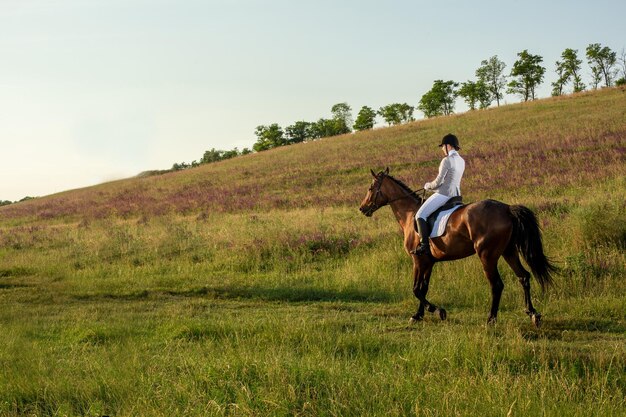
point(95, 90)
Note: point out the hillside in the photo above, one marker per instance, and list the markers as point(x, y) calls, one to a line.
point(254, 286)
point(572, 141)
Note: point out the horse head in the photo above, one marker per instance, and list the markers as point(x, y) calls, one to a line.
point(375, 199)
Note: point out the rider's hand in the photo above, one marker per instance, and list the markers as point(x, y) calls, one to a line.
point(427, 186)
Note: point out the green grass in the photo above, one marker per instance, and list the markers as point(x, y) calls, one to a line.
point(135, 298)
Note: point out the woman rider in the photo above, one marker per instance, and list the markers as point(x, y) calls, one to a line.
point(446, 185)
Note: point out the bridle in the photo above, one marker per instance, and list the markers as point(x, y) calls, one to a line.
point(379, 180)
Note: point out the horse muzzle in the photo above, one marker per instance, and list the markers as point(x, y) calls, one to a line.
point(368, 210)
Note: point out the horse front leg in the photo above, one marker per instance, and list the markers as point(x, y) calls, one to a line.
point(421, 280)
point(418, 278)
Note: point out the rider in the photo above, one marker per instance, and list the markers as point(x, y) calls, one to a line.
point(447, 185)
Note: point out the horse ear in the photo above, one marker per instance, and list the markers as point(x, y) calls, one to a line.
point(373, 174)
point(387, 170)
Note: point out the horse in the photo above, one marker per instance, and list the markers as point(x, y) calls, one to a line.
point(489, 228)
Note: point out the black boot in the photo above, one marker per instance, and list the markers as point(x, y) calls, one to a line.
point(424, 232)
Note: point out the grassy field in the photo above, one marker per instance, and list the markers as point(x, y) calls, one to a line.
point(254, 286)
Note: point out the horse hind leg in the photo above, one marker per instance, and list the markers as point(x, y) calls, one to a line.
point(490, 266)
point(512, 258)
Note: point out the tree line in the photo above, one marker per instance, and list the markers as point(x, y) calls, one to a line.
point(7, 202)
point(527, 73)
point(489, 86)
point(213, 155)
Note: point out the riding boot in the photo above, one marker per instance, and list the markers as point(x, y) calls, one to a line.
point(424, 232)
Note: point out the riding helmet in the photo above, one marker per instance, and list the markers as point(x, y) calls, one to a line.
point(451, 140)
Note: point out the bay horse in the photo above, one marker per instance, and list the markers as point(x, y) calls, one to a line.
point(488, 228)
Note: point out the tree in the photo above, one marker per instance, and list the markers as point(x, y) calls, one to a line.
point(324, 128)
point(572, 66)
point(440, 99)
point(181, 166)
point(491, 74)
point(365, 119)
point(269, 137)
point(601, 60)
point(529, 73)
point(299, 132)
point(622, 68)
point(390, 114)
point(212, 156)
point(557, 86)
point(596, 77)
point(397, 113)
point(568, 69)
point(342, 113)
point(475, 93)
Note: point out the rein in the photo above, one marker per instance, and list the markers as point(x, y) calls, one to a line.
point(380, 184)
point(422, 190)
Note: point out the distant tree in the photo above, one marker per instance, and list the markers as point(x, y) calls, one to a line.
point(5, 202)
point(397, 113)
point(529, 75)
point(621, 74)
point(269, 137)
point(342, 113)
point(324, 128)
point(491, 73)
point(181, 166)
point(475, 92)
point(230, 154)
point(390, 114)
point(572, 66)
point(440, 99)
point(596, 77)
point(406, 112)
point(211, 156)
point(562, 78)
point(299, 132)
point(365, 119)
point(602, 61)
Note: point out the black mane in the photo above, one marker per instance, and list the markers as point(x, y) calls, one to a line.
point(404, 187)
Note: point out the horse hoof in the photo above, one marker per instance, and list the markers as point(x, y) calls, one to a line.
point(536, 319)
point(413, 320)
point(443, 314)
point(491, 321)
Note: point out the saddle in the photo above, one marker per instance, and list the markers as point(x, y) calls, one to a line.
point(452, 202)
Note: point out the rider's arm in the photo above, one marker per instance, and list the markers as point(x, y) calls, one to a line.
point(444, 166)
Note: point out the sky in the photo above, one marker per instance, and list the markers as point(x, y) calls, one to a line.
point(97, 90)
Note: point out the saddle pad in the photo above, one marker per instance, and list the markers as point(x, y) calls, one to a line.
point(442, 220)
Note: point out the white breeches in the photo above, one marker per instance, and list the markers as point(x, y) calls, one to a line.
point(430, 205)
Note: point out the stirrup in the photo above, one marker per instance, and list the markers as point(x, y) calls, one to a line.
point(421, 249)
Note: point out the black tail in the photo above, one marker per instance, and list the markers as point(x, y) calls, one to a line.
point(527, 240)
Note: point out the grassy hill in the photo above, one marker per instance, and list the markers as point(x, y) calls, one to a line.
point(569, 142)
point(253, 286)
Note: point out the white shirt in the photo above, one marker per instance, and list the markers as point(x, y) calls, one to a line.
point(451, 169)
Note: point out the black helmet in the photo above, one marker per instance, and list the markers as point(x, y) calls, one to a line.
point(451, 140)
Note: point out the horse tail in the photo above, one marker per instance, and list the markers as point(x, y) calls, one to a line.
point(527, 240)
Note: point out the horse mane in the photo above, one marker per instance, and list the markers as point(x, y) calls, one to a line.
point(405, 187)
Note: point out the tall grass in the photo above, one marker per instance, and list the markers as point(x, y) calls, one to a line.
point(142, 298)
